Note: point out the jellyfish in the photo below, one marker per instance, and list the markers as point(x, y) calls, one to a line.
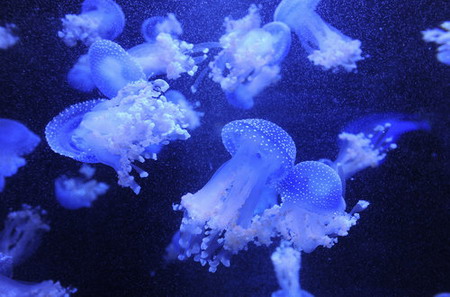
point(119, 131)
point(312, 211)
point(287, 263)
point(14, 288)
point(99, 19)
point(153, 26)
point(442, 38)
point(326, 46)
point(163, 52)
point(78, 192)
point(7, 36)
point(192, 116)
point(22, 233)
point(16, 140)
point(80, 77)
point(250, 58)
point(365, 142)
point(262, 153)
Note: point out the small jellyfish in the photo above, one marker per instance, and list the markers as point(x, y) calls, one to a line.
point(99, 19)
point(163, 52)
point(153, 26)
point(80, 77)
point(14, 288)
point(112, 68)
point(16, 140)
point(287, 263)
point(262, 153)
point(442, 38)
point(22, 233)
point(365, 142)
point(7, 36)
point(192, 116)
point(250, 58)
point(312, 212)
point(78, 192)
point(326, 46)
point(119, 131)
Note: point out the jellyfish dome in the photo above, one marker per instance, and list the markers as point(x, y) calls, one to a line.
point(99, 19)
point(250, 58)
point(16, 140)
point(365, 142)
point(153, 26)
point(119, 131)
point(326, 46)
point(262, 153)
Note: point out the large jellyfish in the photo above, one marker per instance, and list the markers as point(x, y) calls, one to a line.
point(22, 233)
point(78, 192)
point(262, 153)
point(250, 58)
point(99, 19)
point(442, 38)
point(326, 46)
point(16, 140)
point(119, 131)
point(287, 263)
point(7, 37)
point(163, 52)
point(14, 288)
point(365, 142)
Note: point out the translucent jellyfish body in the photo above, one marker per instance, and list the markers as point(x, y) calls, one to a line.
point(22, 233)
point(119, 131)
point(326, 46)
point(16, 140)
point(80, 77)
point(78, 192)
point(99, 19)
point(442, 38)
point(261, 153)
point(13, 288)
point(163, 52)
point(250, 58)
point(7, 37)
point(365, 142)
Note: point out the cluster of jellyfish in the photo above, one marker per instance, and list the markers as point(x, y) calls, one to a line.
point(259, 195)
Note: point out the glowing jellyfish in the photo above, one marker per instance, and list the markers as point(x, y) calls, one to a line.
point(7, 37)
point(262, 153)
point(78, 192)
point(16, 140)
point(22, 233)
point(326, 46)
point(119, 131)
point(365, 142)
point(80, 77)
point(442, 38)
point(14, 288)
point(163, 52)
point(249, 61)
point(99, 19)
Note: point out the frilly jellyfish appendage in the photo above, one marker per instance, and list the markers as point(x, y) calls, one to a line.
point(250, 58)
point(119, 131)
point(153, 26)
point(7, 37)
point(80, 77)
point(165, 55)
point(192, 116)
point(22, 233)
point(13, 288)
point(261, 153)
point(112, 67)
point(442, 38)
point(312, 212)
point(325, 45)
point(99, 19)
point(365, 142)
point(287, 263)
point(16, 140)
point(78, 192)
